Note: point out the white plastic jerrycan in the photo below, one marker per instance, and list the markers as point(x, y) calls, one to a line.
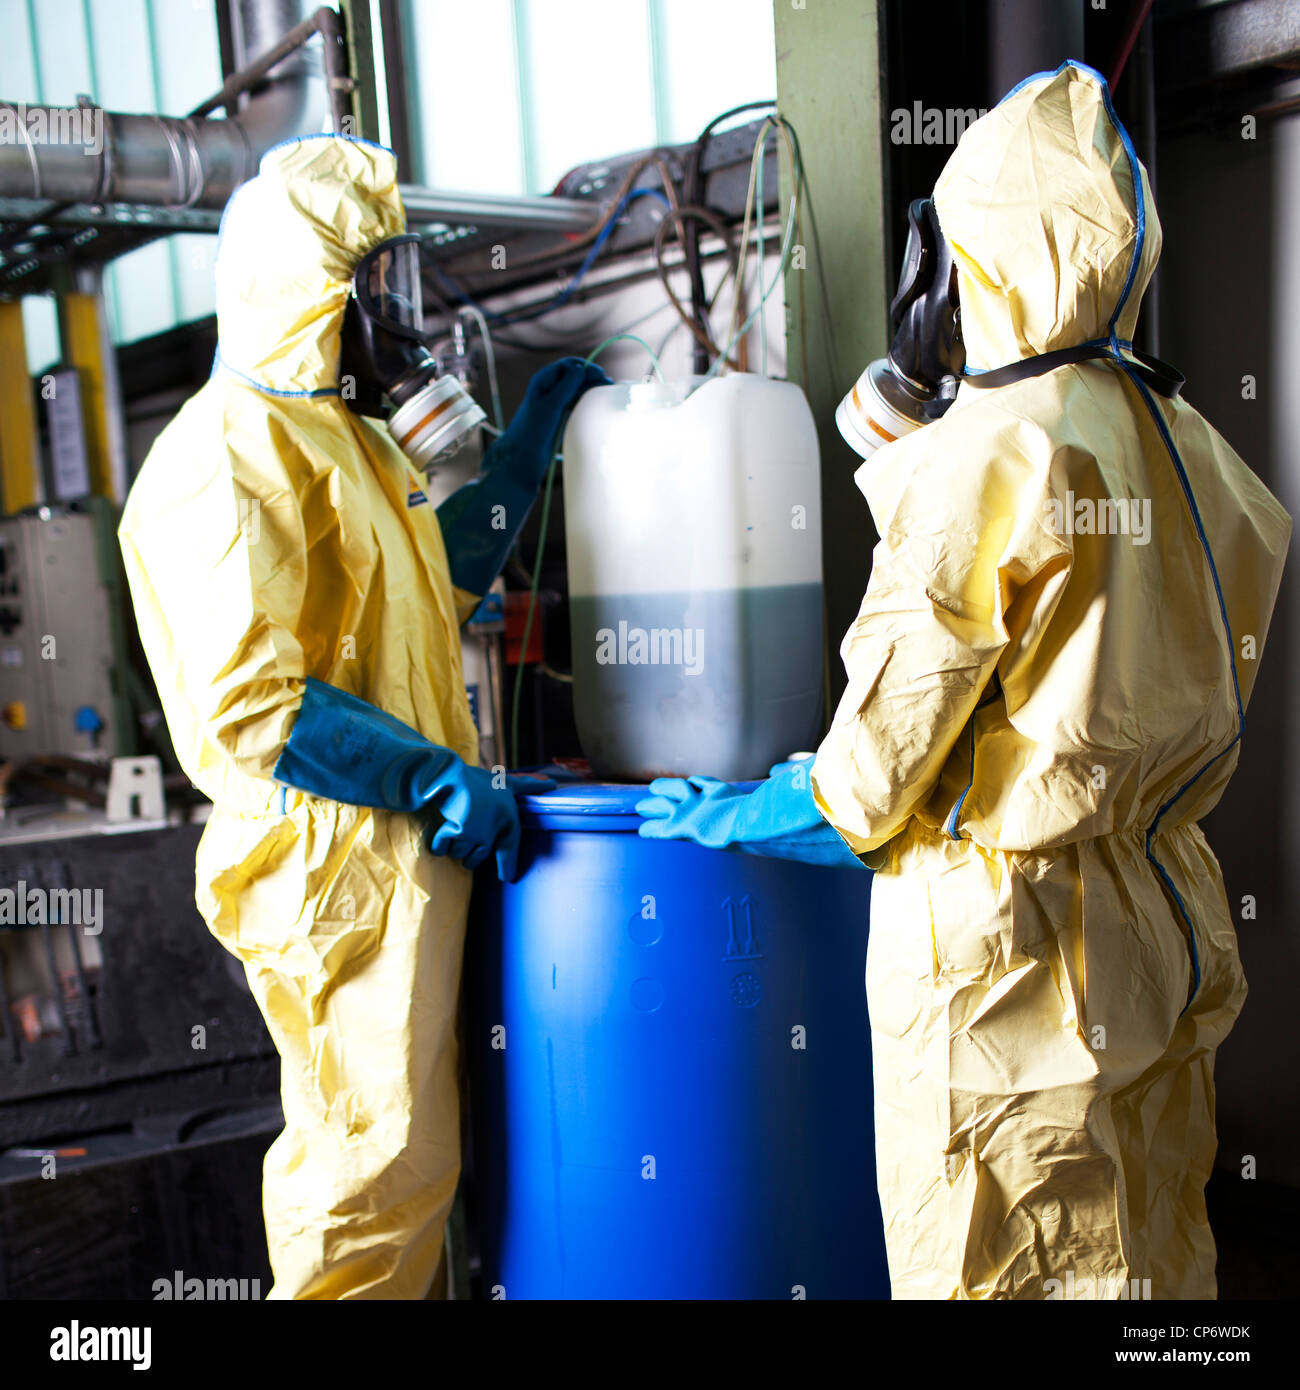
point(693, 521)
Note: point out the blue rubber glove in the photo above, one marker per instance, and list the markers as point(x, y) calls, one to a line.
point(349, 750)
point(778, 819)
point(477, 535)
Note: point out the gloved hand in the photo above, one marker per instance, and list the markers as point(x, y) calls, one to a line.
point(514, 466)
point(524, 451)
point(779, 819)
point(475, 818)
point(348, 750)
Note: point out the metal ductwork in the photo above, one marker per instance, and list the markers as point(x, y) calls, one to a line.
point(281, 89)
point(1026, 36)
point(105, 158)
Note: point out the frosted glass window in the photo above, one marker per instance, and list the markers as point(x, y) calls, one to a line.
point(127, 55)
point(186, 50)
point(459, 64)
point(506, 96)
point(119, 37)
point(588, 83)
point(64, 68)
point(170, 281)
point(18, 80)
point(141, 293)
point(193, 256)
point(41, 331)
point(714, 54)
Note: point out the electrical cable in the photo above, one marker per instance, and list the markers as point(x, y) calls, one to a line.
point(470, 311)
point(760, 145)
point(687, 320)
point(1135, 24)
point(654, 160)
point(597, 235)
point(677, 327)
point(562, 298)
point(680, 217)
point(542, 529)
point(632, 337)
point(701, 330)
point(808, 203)
point(759, 240)
point(796, 175)
point(557, 257)
point(587, 263)
point(693, 193)
point(677, 218)
point(566, 341)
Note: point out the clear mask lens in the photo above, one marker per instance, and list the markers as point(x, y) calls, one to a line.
point(388, 286)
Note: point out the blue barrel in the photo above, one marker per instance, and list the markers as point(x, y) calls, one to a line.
point(670, 1068)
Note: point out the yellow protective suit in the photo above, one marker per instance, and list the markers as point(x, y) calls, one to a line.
point(1042, 703)
point(269, 538)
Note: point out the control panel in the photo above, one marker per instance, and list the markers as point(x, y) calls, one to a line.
point(59, 688)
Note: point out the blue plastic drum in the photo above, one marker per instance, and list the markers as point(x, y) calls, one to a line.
point(670, 1068)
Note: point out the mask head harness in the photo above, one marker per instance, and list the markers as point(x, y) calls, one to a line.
point(918, 381)
point(386, 370)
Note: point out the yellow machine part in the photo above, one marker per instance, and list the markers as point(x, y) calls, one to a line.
point(20, 484)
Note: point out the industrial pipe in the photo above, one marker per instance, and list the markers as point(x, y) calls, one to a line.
point(1027, 36)
point(96, 157)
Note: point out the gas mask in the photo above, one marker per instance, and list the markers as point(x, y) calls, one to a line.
point(385, 364)
point(918, 381)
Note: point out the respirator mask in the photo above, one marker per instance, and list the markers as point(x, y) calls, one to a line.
point(918, 381)
point(385, 364)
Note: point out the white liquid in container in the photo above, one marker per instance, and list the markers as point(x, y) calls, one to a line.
point(693, 522)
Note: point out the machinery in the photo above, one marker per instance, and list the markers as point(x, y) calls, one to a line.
point(62, 658)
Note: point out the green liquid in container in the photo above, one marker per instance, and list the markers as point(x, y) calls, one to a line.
point(723, 684)
point(693, 532)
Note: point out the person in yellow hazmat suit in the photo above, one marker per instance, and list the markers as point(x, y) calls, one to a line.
point(1048, 680)
point(299, 608)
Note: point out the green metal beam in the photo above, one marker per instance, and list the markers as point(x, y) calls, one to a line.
point(829, 83)
point(365, 62)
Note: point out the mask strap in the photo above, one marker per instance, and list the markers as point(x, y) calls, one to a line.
point(1159, 376)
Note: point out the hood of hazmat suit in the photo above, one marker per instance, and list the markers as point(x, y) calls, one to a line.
point(272, 536)
point(1047, 686)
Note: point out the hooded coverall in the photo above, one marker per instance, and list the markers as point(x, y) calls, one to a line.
point(274, 535)
point(1047, 685)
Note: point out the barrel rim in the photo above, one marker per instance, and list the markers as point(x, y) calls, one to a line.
point(596, 800)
